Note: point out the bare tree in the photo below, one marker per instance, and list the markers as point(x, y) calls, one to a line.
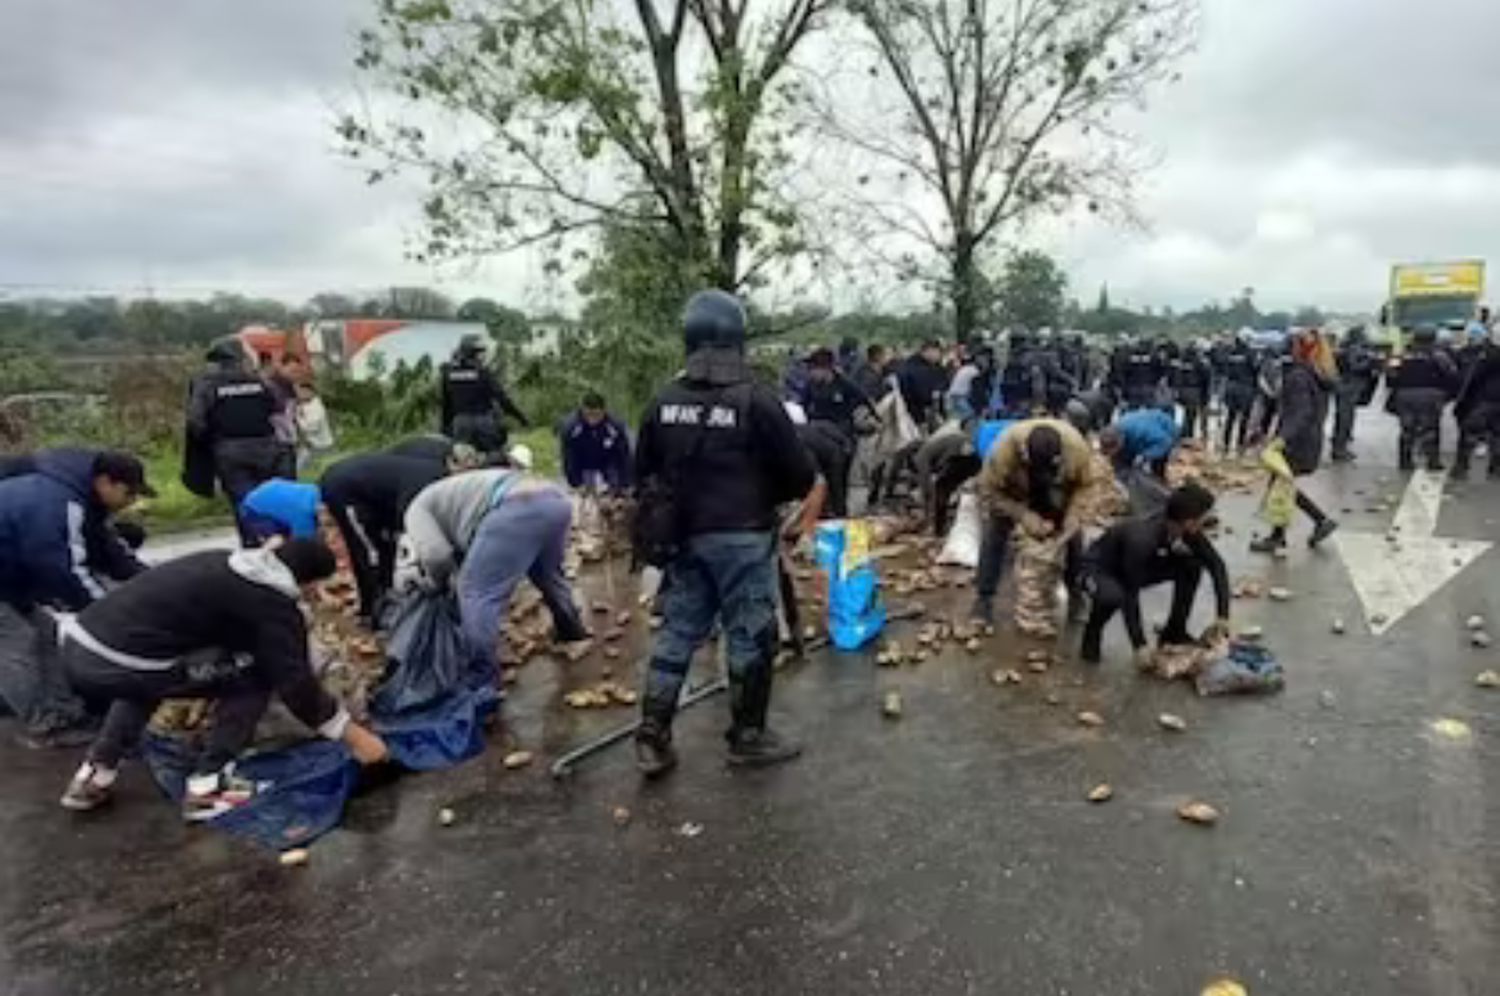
point(535, 121)
point(1000, 111)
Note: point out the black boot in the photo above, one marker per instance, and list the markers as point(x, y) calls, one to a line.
point(654, 754)
point(752, 743)
point(1269, 543)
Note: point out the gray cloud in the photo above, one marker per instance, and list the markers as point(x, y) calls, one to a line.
point(187, 143)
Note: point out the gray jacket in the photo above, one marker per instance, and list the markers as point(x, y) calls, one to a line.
point(442, 520)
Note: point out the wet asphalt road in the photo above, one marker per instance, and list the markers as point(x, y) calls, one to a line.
point(951, 851)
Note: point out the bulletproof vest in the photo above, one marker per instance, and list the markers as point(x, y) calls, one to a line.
point(1239, 367)
point(1140, 369)
point(1185, 373)
point(704, 420)
point(468, 390)
point(1420, 369)
point(241, 407)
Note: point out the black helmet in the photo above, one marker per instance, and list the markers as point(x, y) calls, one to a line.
point(713, 318)
point(470, 346)
point(1425, 334)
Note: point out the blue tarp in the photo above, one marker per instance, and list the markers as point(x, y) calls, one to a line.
point(310, 783)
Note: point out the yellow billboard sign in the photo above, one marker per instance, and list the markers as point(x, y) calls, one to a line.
point(1463, 279)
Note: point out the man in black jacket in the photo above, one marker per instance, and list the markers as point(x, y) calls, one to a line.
point(1420, 387)
point(217, 625)
point(1356, 369)
point(231, 420)
point(1135, 554)
point(1478, 411)
point(1190, 377)
point(367, 496)
point(923, 382)
point(1237, 369)
point(470, 397)
point(726, 452)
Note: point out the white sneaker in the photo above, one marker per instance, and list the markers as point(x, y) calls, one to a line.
point(92, 786)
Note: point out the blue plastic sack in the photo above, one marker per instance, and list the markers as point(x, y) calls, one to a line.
point(1245, 668)
point(426, 654)
point(856, 612)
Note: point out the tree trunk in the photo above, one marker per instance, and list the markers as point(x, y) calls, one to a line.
point(965, 303)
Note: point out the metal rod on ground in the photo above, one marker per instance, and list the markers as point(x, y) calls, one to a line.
point(563, 766)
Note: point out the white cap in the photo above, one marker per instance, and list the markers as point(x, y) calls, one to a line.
point(520, 456)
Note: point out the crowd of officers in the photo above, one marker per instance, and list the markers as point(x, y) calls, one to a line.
point(725, 469)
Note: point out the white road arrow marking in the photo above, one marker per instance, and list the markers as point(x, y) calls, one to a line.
point(1390, 578)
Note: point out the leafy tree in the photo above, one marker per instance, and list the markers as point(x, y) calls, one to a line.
point(534, 122)
point(416, 302)
point(1308, 316)
point(1002, 113)
point(1031, 291)
point(331, 304)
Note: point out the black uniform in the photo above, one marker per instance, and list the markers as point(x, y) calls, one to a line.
point(367, 496)
point(1190, 378)
point(1136, 554)
point(833, 452)
point(1140, 375)
point(1356, 385)
point(1058, 384)
point(1023, 382)
point(922, 387)
point(1238, 370)
point(1478, 410)
point(231, 419)
point(1420, 387)
point(470, 395)
point(436, 449)
point(727, 452)
point(835, 402)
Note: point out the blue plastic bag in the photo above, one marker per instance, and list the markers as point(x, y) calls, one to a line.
point(856, 612)
point(1246, 668)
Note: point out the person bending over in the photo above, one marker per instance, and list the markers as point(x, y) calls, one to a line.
point(1139, 553)
point(215, 625)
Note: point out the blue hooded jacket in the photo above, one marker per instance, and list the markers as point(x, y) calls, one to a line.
point(603, 449)
point(55, 537)
point(1146, 434)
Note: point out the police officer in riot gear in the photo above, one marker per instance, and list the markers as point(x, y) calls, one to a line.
point(1238, 370)
point(470, 395)
point(1141, 375)
point(231, 430)
point(1420, 387)
point(1478, 409)
point(716, 456)
point(1356, 384)
point(1190, 378)
point(1023, 385)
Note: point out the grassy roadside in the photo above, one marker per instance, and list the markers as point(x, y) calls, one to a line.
point(175, 509)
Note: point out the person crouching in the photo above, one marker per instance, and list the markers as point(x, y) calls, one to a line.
point(213, 625)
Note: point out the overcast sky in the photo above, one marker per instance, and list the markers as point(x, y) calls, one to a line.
point(186, 146)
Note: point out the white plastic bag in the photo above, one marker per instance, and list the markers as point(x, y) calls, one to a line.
point(961, 548)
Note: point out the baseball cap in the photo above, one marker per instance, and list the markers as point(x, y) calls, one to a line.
point(126, 469)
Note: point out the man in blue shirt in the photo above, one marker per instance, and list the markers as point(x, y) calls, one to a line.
point(595, 447)
point(1143, 436)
